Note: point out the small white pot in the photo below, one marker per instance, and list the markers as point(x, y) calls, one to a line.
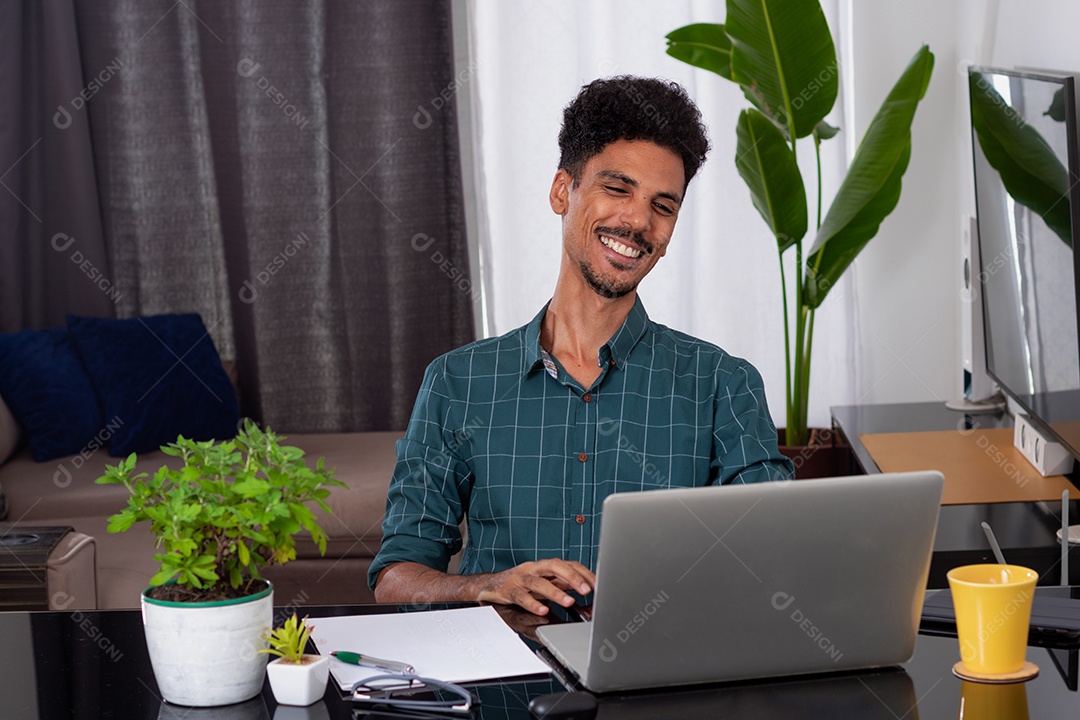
point(299, 684)
point(206, 654)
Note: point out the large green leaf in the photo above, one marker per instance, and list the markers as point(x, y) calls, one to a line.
point(871, 188)
point(768, 167)
point(703, 45)
point(784, 59)
point(1031, 172)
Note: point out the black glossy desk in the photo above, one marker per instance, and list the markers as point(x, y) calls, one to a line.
point(1025, 531)
point(95, 665)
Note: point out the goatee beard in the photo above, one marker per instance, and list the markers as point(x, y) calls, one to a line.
point(605, 288)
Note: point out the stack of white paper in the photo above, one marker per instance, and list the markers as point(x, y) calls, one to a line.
point(462, 645)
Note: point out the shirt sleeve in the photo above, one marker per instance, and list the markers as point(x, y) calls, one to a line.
point(425, 502)
point(744, 436)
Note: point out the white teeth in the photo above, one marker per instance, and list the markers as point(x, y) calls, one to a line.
point(624, 250)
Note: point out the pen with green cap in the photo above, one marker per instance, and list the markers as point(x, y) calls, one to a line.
point(353, 658)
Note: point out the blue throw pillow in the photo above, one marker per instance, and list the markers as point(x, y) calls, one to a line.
point(48, 392)
point(157, 378)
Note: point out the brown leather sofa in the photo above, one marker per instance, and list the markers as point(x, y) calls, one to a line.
point(63, 492)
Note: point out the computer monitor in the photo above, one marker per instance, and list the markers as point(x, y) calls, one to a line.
point(1027, 191)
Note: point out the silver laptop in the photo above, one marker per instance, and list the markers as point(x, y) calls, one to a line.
point(712, 584)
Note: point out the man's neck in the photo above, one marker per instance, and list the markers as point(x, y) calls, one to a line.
point(577, 324)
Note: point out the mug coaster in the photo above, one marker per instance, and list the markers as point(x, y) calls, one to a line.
point(1027, 672)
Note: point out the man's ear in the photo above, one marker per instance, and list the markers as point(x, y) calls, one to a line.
point(560, 191)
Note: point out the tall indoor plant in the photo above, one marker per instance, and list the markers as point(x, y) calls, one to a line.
point(231, 508)
point(781, 53)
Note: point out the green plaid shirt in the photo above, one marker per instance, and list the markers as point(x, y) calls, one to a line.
point(503, 436)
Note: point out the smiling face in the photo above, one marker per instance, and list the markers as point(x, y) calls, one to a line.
point(618, 220)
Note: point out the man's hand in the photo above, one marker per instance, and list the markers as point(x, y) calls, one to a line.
point(526, 585)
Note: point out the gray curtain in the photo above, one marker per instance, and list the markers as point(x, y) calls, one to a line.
point(274, 166)
point(52, 253)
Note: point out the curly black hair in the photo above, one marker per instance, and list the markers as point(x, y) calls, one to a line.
point(626, 107)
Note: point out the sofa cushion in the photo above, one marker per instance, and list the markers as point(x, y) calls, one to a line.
point(157, 377)
point(49, 392)
point(65, 488)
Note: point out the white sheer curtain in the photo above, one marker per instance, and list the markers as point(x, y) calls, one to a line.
point(720, 280)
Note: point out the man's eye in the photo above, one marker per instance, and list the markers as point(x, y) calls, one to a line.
point(614, 189)
point(664, 209)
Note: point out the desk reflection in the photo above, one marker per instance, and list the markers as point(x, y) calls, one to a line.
point(983, 701)
point(253, 709)
point(879, 695)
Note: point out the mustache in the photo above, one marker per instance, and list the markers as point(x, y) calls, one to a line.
point(627, 234)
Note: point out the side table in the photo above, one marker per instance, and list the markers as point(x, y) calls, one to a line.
point(46, 568)
point(1026, 531)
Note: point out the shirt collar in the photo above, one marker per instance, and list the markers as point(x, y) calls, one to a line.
point(616, 349)
point(622, 342)
point(533, 357)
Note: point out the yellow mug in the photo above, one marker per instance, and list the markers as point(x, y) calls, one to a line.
point(993, 613)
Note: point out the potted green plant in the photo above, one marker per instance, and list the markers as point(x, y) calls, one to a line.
point(231, 508)
point(296, 677)
point(781, 53)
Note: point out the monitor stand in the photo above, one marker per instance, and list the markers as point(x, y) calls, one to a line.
point(994, 404)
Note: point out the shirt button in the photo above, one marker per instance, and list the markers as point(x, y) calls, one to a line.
point(612, 362)
point(583, 457)
point(580, 519)
point(587, 397)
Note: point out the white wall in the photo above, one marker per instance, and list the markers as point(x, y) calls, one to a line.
point(907, 280)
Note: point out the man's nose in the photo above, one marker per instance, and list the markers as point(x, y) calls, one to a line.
point(635, 213)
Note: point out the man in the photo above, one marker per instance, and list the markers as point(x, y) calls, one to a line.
point(525, 435)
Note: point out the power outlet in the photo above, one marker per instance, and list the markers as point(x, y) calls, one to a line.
point(1045, 455)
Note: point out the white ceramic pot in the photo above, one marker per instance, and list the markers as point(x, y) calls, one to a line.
point(206, 654)
point(299, 684)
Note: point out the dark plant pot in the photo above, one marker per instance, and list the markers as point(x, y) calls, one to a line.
point(826, 455)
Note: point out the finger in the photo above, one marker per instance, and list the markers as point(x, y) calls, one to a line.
point(530, 600)
point(544, 588)
point(514, 587)
point(570, 575)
